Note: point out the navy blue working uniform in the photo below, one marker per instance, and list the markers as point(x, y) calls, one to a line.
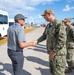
point(16, 35)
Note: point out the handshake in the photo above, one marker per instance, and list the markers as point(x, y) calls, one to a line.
point(33, 43)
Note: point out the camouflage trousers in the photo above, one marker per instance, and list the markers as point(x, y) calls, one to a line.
point(57, 65)
point(69, 57)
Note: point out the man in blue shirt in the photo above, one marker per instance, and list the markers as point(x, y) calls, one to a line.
point(16, 43)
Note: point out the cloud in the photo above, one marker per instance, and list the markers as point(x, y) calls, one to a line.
point(69, 1)
point(11, 5)
point(72, 7)
point(68, 8)
point(37, 2)
point(39, 16)
point(22, 4)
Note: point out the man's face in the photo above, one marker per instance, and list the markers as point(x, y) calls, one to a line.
point(67, 23)
point(21, 22)
point(47, 16)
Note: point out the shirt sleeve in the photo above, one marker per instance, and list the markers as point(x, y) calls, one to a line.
point(43, 37)
point(60, 37)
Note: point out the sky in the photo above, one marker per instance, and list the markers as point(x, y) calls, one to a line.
point(32, 9)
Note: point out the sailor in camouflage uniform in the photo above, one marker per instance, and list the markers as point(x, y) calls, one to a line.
point(69, 43)
point(55, 35)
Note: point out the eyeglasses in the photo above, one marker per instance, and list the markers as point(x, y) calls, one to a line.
point(22, 19)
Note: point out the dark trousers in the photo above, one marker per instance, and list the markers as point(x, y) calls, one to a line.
point(17, 59)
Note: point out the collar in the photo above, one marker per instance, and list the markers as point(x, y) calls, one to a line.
point(54, 21)
point(17, 24)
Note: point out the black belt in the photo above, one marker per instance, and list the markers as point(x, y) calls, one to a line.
point(16, 50)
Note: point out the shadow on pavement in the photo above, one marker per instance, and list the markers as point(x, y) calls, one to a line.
point(8, 68)
point(2, 73)
point(42, 45)
point(43, 71)
point(25, 73)
point(40, 48)
point(37, 60)
point(37, 49)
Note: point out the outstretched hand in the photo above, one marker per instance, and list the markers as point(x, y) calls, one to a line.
point(34, 43)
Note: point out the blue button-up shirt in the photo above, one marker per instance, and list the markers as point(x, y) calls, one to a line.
point(15, 35)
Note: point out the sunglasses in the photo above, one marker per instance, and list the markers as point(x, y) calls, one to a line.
point(22, 19)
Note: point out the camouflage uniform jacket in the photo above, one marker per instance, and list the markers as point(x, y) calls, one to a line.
point(70, 36)
point(55, 35)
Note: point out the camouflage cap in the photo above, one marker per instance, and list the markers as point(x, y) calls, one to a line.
point(67, 20)
point(19, 17)
point(50, 11)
